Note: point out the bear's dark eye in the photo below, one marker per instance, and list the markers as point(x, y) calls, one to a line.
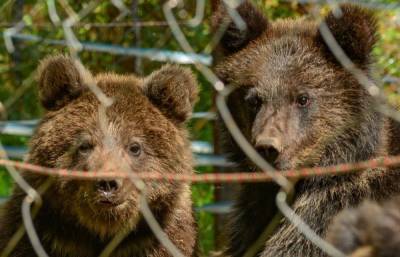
point(85, 147)
point(303, 100)
point(135, 149)
point(254, 102)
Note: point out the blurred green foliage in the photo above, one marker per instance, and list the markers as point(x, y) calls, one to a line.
point(17, 87)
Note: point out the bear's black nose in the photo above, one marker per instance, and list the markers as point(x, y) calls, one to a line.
point(108, 185)
point(270, 153)
point(269, 149)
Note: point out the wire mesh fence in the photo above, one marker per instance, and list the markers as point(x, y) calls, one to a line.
point(137, 37)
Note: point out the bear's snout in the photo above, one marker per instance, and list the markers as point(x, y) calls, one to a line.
point(108, 186)
point(269, 148)
point(109, 192)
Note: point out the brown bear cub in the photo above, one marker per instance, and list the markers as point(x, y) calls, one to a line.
point(370, 230)
point(141, 131)
point(300, 108)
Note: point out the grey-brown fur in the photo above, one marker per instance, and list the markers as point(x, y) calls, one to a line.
point(370, 230)
point(143, 130)
point(300, 108)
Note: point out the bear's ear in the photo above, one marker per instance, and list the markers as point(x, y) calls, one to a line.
point(354, 29)
point(234, 38)
point(59, 81)
point(173, 90)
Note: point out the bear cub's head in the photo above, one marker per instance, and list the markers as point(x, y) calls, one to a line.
point(294, 100)
point(141, 131)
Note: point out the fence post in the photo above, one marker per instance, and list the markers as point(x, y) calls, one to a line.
point(137, 30)
point(222, 192)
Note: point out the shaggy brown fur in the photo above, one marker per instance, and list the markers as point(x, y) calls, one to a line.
point(371, 226)
point(143, 130)
point(299, 108)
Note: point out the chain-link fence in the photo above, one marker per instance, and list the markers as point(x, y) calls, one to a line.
point(138, 37)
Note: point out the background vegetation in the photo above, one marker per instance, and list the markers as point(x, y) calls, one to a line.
point(17, 86)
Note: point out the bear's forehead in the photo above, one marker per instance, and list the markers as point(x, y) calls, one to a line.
point(129, 108)
point(288, 64)
point(285, 53)
point(114, 85)
point(288, 46)
point(279, 65)
point(289, 27)
point(84, 118)
point(126, 106)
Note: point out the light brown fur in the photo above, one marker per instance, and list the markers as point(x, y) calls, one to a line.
point(142, 131)
point(273, 67)
point(370, 230)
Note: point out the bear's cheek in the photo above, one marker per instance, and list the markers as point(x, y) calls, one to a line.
point(317, 136)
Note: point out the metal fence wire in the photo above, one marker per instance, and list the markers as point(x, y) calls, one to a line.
point(32, 26)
